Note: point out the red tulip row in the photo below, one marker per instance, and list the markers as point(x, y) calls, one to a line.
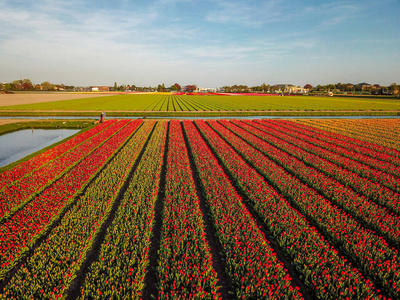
point(185, 265)
point(304, 151)
point(382, 135)
point(371, 252)
point(363, 170)
point(345, 142)
point(371, 214)
point(19, 233)
point(373, 146)
point(323, 142)
point(25, 168)
point(323, 270)
point(49, 272)
point(251, 263)
point(119, 271)
point(22, 191)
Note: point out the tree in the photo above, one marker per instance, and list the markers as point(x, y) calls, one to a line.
point(47, 86)
point(308, 87)
point(7, 87)
point(28, 81)
point(16, 82)
point(331, 87)
point(27, 86)
point(178, 87)
point(318, 87)
point(226, 89)
point(394, 89)
point(173, 88)
point(265, 88)
point(115, 86)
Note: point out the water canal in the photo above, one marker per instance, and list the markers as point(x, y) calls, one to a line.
point(18, 144)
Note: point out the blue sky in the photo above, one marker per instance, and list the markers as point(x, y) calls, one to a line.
point(208, 43)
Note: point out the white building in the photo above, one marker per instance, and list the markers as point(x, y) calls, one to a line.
point(206, 90)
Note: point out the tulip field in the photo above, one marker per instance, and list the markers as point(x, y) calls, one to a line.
point(206, 209)
point(203, 105)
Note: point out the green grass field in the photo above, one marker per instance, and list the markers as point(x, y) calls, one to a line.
point(193, 103)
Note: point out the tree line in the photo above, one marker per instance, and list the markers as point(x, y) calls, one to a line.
point(27, 85)
point(338, 88)
point(364, 88)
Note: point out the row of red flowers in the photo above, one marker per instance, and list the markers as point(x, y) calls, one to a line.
point(370, 252)
point(378, 134)
point(55, 263)
point(304, 151)
point(251, 263)
point(369, 213)
point(345, 142)
point(20, 232)
point(185, 265)
point(20, 192)
point(382, 168)
point(119, 271)
point(365, 171)
point(324, 272)
point(387, 163)
point(25, 168)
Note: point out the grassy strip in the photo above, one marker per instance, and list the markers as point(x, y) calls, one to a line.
point(47, 124)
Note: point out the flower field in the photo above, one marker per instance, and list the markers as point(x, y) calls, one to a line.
point(159, 103)
point(206, 209)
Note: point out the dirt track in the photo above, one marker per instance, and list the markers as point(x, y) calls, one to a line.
point(17, 99)
point(9, 121)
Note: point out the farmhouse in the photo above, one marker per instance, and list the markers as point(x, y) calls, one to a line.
point(100, 88)
point(206, 90)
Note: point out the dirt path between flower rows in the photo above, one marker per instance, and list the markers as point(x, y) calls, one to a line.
point(9, 121)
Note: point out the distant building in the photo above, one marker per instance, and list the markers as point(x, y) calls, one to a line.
point(363, 86)
point(288, 89)
point(206, 90)
point(100, 88)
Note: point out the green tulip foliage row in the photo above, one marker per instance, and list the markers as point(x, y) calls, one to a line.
point(119, 271)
